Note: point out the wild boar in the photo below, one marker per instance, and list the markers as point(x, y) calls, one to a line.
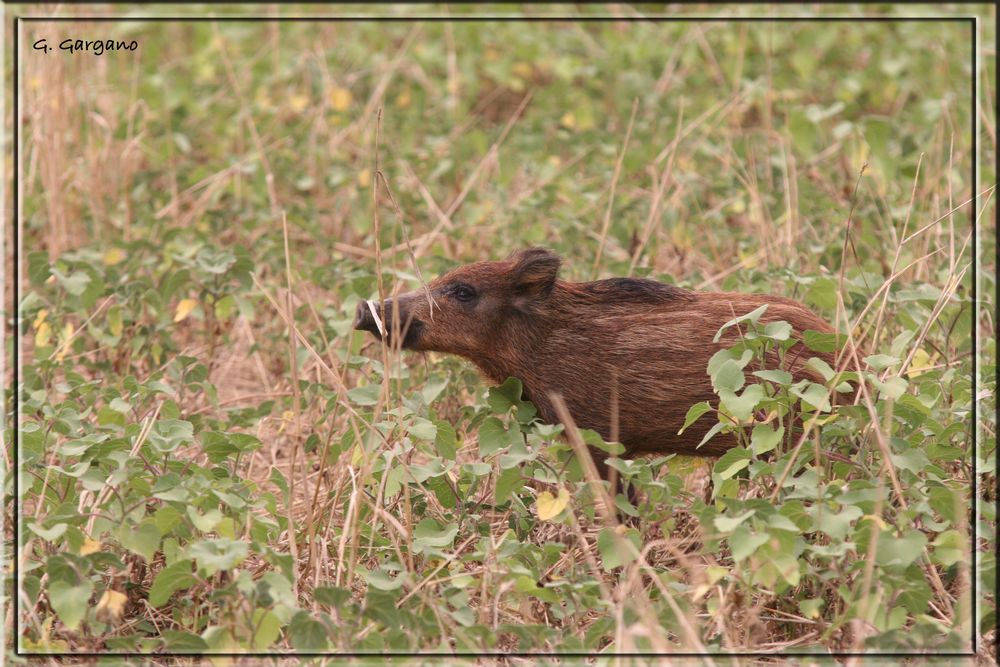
point(632, 346)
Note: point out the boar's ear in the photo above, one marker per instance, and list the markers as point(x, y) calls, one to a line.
point(534, 274)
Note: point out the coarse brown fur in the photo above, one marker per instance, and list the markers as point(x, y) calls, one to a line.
point(638, 344)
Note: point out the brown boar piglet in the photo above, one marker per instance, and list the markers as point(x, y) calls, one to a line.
point(637, 344)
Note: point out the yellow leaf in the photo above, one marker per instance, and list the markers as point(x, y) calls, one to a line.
point(737, 206)
point(715, 573)
point(67, 336)
point(40, 317)
point(555, 160)
point(403, 99)
point(357, 456)
point(340, 98)
point(115, 324)
point(43, 334)
point(749, 259)
point(921, 362)
point(262, 99)
point(364, 178)
point(89, 546)
point(701, 591)
point(184, 308)
point(680, 237)
point(548, 506)
point(568, 120)
point(113, 255)
point(298, 102)
point(111, 605)
point(523, 70)
point(286, 418)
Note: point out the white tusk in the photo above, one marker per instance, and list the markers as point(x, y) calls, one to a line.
point(378, 321)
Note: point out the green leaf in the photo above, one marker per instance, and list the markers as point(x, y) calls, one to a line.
point(507, 396)
point(218, 445)
point(267, 629)
point(432, 388)
point(613, 548)
point(823, 341)
point(503, 398)
point(422, 429)
point(950, 547)
point(143, 539)
point(742, 543)
point(821, 367)
point(74, 283)
point(308, 634)
point(730, 463)
point(38, 267)
point(215, 262)
point(204, 522)
point(822, 294)
point(752, 316)
point(764, 438)
point(366, 395)
point(814, 396)
point(508, 482)
point(278, 479)
point(429, 533)
point(913, 459)
point(890, 389)
point(718, 426)
point(494, 437)
point(179, 641)
point(901, 551)
point(811, 608)
point(382, 580)
point(76, 470)
point(836, 525)
point(881, 361)
point(445, 440)
point(742, 405)
point(779, 377)
point(48, 534)
point(218, 554)
point(170, 580)
point(169, 434)
point(727, 524)
point(728, 376)
point(331, 596)
point(221, 640)
point(779, 330)
point(693, 413)
point(593, 439)
point(70, 602)
point(516, 454)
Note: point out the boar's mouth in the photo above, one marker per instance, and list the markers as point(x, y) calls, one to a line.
point(411, 332)
point(411, 329)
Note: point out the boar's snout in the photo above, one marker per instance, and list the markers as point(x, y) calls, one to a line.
point(364, 318)
point(370, 317)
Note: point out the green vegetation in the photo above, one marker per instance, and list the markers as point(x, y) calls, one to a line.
point(198, 475)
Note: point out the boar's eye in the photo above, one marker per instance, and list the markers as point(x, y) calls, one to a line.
point(464, 293)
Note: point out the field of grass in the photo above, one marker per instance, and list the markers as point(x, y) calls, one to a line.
point(210, 459)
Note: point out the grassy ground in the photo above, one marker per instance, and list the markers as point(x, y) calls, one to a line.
point(196, 477)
